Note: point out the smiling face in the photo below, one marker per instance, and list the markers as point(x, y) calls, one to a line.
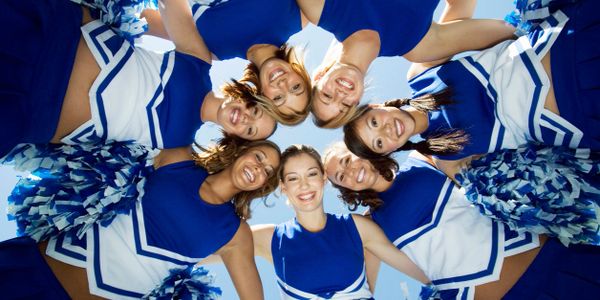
point(345, 169)
point(385, 129)
point(303, 182)
point(250, 123)
point(280, 83)
point(339, 89)
point(251, 170)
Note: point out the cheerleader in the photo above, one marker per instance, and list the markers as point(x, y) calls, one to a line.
point(193, 205)
point(320, 255)
point(256, 30)
point(368, 29)
point(67, 78)
point(537, 89)
point(465, 254)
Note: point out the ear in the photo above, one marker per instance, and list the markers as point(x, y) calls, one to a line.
point(282, 187)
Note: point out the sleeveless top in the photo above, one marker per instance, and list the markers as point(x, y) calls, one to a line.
point(170, 228)
point(152, 98)
point(229, 28)
point(425, 215)
point(326, 264)
point(401, 24)
point(499, 95)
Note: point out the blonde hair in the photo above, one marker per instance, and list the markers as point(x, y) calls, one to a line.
point(290, 55)
point(223, 155)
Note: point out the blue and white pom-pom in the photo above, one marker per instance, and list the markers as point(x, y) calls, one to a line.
point(546, 190)
point(429, 292)
point(193, 282)
point(529, 13)
point(122, 15)
point(71, 187)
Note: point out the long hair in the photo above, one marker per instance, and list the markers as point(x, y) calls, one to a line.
point(290, 55)
point(438, 143)
point(224, 154)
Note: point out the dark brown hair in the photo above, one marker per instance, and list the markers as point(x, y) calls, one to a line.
point(288, 54)
point(437, 143)
point(224, 154)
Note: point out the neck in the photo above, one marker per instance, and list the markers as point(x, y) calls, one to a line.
point(421, 119)
point(360, 49)
point(381, 185)
point(312, 221)
point(259, 53)
point(218, 188)
point(210, 108)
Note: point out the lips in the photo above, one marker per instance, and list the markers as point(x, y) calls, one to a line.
point(361, 175)
point(399, 127)
point(234, 116)
point(346, 83)
point(308, 196)
point(249, 175)
point(276, 74)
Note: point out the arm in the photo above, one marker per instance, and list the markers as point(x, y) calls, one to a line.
point(446, 39)
point(377, 243)
point(177, 18)
point(155, 25)
point(311, 9)
point(263, 235)
point(372, 265)
point(238, 256)
point(454, 10)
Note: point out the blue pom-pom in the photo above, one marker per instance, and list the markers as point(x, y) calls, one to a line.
point(70, 188)
point(194, 282)
point(547, 190)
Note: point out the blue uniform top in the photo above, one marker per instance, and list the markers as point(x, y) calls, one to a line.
point(401, 24)
point(149, 97)
point(499, 96)
point(425, 215)
point(310, 264)
point(170, 228)
point(231, 27)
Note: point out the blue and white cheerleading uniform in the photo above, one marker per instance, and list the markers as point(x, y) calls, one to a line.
point(170, 228)
point(151, 98)
point(230, 27)
point(426, 216)
point(328, 264)
point(500, 92)
point(401, 24)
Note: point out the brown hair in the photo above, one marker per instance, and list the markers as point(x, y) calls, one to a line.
point(338, 121)
point(295, 150)
point(438, 143)
point(222, 155)
point(286, 53)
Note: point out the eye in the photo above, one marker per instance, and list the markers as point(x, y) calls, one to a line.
point(326, 95)
point(374, 122)
point(346, 161)
point(296, 88)
point(250, 131)
point(277, 98)
point(313, 173)
point(342, 177)
point(269, 171)
point(255, 110)
point(291, 178)
point(379, 143)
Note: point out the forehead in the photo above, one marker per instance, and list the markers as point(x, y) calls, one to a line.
point(265, 126)
point(300, 162)
point(323, 111)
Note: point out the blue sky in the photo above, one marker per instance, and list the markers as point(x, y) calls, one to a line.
point(386, 81)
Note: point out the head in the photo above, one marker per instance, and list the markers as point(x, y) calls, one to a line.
point(284, 81)
point(358, 179)
point(302, 178)
point(253, 167)
point(380, 129)
point(244, 114)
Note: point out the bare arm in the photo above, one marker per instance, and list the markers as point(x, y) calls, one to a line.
point(377, 243)
point(238, 256)
point(446, 39)
point(177, 18)
point(311, 9)
point(263, 235)
point(372, 265)
point(155, 25)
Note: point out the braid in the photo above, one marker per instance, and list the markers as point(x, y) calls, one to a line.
point(444, 143)
point(425, 103)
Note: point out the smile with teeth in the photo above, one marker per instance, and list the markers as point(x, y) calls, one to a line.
point(308, 196)
point(361, 175)
point(276, 74)
point(249, 175)
point(345, 83)
point(399, 127)
point(234, 116)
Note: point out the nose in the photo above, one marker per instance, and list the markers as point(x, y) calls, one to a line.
point(388, 129)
